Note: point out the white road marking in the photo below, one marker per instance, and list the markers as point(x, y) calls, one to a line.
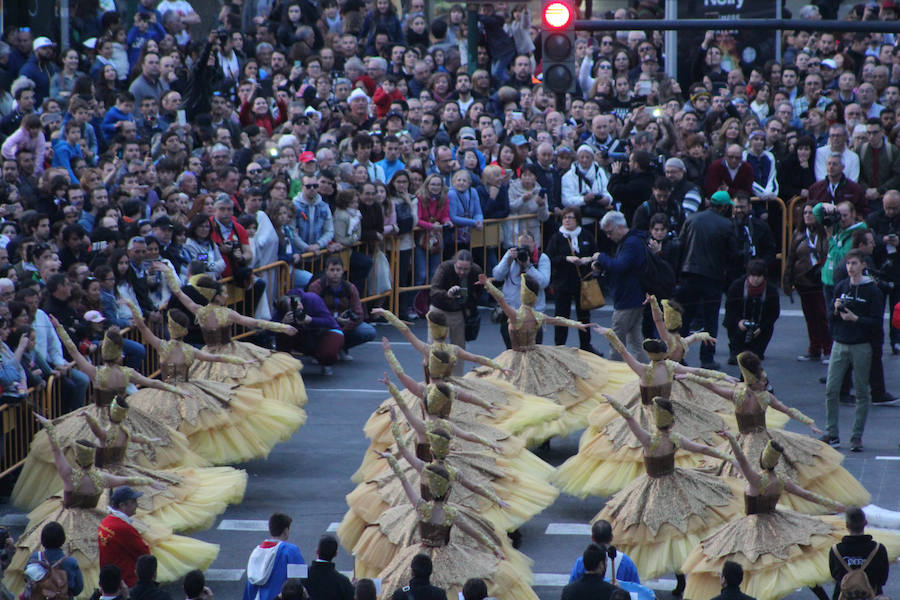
point(243, 525)
point(332, 527)
point(887, 458)
point(568, 529)
point(224, 574)
point(14, 520)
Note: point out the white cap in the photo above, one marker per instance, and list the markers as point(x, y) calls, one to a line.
point(357, 93)
point(41, 42)
point(585, 148)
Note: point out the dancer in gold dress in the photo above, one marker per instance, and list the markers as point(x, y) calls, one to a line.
point(570, 377)
point(529, 417)
point(275, 374)
point(82, 487)
point(460, 544)
point(609, 456)
point(814, 465)
point(161, 446)
point(779, 549)
point(514, 475)
point(224, 423)
point(662, 515)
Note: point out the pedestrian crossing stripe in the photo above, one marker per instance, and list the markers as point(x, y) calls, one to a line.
point(243, 525)
point(568, 529)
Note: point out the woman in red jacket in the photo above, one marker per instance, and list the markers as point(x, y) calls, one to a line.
point(434, 215)
point(256, 111)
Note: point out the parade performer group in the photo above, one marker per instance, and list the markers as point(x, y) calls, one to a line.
point(226, 403)
point(691, 461)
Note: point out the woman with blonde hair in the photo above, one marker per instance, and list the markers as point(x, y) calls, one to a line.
point(434, 215)
point(729, 133)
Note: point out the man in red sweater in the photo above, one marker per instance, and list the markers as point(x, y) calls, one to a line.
point(731, 173)
point(120, 543)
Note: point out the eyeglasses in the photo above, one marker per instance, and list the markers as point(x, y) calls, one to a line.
point(735, 156)
point(255, 171)
point(606, 43)
point(311, 186)
point(605, 66)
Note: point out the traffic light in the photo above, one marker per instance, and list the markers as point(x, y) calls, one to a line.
point(558, 40)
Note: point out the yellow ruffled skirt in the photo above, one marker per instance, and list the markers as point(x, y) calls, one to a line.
point(39, 480)
point(516, 476)
point(610, 457)
point(191, 500)
point(275, 374)
point(658, 521)
point(812, 464)
point(529, 417)
point(176, 554)
point(459, 560)
point(779, 551)
point(225, 423)
point(572, 378)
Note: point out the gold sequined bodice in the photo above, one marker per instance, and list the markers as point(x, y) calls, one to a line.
point(523, 333)
point(213, 322)
point(173, 366)
point(649, 392)
point(750, 409)
point(105, 390)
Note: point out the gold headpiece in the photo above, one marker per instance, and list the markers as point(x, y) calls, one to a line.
point(671, 317)
point(437, 484)
point(206, 292)
point(109, 349)
point(528, 297)
point(117, 412)
point(437, 403)
point(440, 444)
point(654, 355)
point(438, 332)
point(84, 454)
point(663, 416)
point(749, 376)
point(769, 457)
point(176, 330)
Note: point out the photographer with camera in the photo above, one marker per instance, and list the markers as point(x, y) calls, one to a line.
point(455, 292)
point(341, 298)
point(751, 309)
point(320, 335)
point(524, 258)
point(855, 317)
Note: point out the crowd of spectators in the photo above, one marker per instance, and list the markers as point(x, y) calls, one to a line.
point(305, 132)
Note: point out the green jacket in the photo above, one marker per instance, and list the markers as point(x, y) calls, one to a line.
point(839, 243)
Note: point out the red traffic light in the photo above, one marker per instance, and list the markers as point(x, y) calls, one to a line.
point(558, 15)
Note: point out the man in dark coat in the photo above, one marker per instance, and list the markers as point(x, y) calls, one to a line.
point(147, 588)
point(591, 585)
point(419, 586)
point(707, 243)
point(324, 581)
point(731, 577)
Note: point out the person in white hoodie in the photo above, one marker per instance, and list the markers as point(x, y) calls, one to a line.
point(273, 561)
point(584, 186)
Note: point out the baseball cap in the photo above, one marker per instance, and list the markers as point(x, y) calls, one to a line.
point(94, 316)
point(395, 114)
point(163, 222)
point(42, 42)
point(518, 140)
point(123, 494)
point(722, 198)
point(310, 111)
point(467, 132)
point(306, 157)
point(675, 163)
point(829, 62)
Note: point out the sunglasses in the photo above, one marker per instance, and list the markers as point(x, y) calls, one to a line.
point(311, 186)
point(254, 171)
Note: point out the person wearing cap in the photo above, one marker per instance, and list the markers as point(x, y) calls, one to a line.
point(119, 541)
point(684, 193)
point(708, 243)
point(162, 229)
point(358, 115)
point(40, 68)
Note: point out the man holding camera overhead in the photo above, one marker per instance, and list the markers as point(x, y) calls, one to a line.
point(523, 258)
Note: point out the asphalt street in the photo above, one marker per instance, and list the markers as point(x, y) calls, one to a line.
point(309, 476)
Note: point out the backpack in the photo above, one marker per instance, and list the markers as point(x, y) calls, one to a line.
point(657, 278)
point(855, 583)
point(54, 585)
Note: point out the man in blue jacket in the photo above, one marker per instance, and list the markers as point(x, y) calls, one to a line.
point(273, 562)
point(624, 275)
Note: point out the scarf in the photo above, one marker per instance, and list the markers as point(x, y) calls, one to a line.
point(120, 514)
point(572, 236)
point(755, 291)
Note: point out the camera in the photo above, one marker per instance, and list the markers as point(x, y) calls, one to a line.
point(523, 254)
point(223, 36)
point(463, 293)
point(349, 315)
point(750, 333)
point(298, 313)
